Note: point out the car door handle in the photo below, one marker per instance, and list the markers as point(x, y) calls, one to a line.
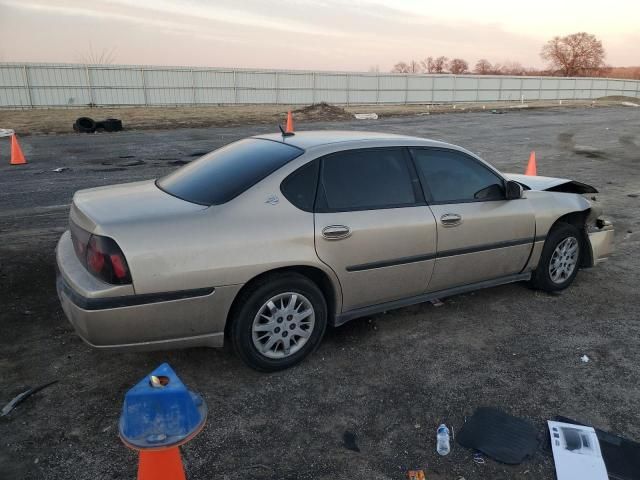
point(451, 219)
point(336, 232)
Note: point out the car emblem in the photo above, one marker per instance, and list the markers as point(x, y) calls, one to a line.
point(272, 200)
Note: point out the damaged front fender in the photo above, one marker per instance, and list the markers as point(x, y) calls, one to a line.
point(598, 231)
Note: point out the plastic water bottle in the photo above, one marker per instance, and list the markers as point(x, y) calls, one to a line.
point(442, 440)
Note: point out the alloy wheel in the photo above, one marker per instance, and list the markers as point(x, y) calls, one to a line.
point(283, 325)
point(564, 260)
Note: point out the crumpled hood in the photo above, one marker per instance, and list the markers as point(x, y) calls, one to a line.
point(551, 184)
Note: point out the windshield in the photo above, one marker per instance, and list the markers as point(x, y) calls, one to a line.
point(223, 174)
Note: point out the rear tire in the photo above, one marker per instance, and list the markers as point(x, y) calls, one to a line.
point(112, 125)
point(84, 125)
point(278, 322)
point(560, 259)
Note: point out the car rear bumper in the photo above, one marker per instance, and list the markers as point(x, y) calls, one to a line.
point(109, 317)
point(601, 242)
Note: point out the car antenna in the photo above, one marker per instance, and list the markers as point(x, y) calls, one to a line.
point(285, 134)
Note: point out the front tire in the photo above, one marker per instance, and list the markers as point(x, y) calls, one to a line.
point(278, 322)
point(560, 259)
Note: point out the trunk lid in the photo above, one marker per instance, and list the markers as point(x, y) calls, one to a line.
point(95, 208)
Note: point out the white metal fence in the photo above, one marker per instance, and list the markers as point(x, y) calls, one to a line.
point(71, 85)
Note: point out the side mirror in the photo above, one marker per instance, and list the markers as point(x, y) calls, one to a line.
point(514, 190)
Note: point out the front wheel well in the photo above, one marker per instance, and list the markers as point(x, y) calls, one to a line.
point(579, 220)
point(316, 275)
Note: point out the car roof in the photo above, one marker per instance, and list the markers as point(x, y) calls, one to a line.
point(315, 138)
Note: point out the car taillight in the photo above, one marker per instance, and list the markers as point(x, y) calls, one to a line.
point(101, 256)
point(80, 239)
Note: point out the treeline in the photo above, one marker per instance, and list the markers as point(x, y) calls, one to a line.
point(577, 55)
point(459, 66)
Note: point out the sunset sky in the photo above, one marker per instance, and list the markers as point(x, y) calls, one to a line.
point(305, 34)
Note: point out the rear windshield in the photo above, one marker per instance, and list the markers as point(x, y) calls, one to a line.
point(225, 173)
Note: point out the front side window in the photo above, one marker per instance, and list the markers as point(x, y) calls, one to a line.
point(453, 177)
point(225, 173)
point(365, 180)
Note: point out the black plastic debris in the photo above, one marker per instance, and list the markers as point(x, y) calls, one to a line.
point(88, 125)
point(110, 125)
point(498, 435)
point(350, 441)
point(84, 125)
point(23, 396)
point(621, 456)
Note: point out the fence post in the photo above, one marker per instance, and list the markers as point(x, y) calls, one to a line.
point(406, 88)
point(453, 92)
point(539, 88)
point(606, 89)
point(637, 88)
point(89, 86)
point(277, 88)
point(377, 88)
point(521, 87)
point(144, 87)
point(235, 87)
point(27, 84)
point(313, 87)
point(348, 87)
point(500, 90)
point(433, 87)
point(575, 84)
point(193, 87)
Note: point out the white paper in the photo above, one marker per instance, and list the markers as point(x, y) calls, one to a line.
point(366, 116)
point(576, 452)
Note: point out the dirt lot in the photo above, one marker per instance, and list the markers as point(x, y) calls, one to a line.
point(389, 379)
point(38, 121)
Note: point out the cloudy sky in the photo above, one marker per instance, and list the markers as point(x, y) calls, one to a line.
point(307, 34)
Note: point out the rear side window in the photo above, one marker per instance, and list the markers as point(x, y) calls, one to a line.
point(300, 186)
point(225, 173)
point(365, 180)
point(453, 177)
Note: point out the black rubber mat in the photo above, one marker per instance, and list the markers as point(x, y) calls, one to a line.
point(498, 435)
point(621, 456)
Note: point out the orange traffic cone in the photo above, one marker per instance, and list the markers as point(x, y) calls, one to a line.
point(289, 128)
point(17, 158)
point(531, 166)
point(163, 464)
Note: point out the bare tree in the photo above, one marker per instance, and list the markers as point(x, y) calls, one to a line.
point(106, 56)
point(574, 55)
point(434, 65)
point(414, 67)
point(511, 68)
point(400, 67)
point(403, 67)
point(458, 66)
point(483, 67)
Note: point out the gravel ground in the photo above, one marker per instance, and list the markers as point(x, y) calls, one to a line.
point(389, 379)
